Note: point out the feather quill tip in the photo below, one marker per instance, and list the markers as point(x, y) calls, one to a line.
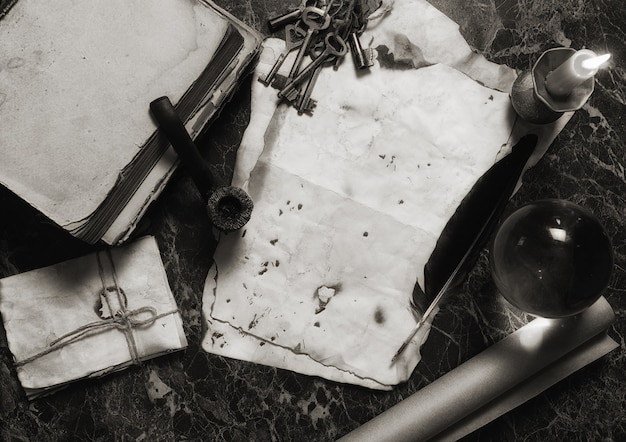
point(406, 341)
point(398, 353)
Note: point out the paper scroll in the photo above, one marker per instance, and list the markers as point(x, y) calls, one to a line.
point(492, 377)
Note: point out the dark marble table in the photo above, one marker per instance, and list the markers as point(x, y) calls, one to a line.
point(193, 395)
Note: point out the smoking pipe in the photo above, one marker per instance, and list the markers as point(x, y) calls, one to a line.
point(228, 207)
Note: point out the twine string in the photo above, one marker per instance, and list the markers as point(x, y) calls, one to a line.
point(123, 319)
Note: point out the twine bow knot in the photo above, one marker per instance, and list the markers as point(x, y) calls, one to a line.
point(123, 319)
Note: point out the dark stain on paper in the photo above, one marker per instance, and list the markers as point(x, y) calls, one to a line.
point(215, 336)
point(379, 315)
point(254, 322)
point(16, 62)
point(264, 267)
point(405, 55)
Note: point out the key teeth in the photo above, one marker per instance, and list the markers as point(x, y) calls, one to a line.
point(279, 82)
point(308, 107)
point(289, 95)
point(369, 57)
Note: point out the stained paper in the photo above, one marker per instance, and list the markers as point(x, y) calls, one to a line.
point(349, 202)
point(81, 303)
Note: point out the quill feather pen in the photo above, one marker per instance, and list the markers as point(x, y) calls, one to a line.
point(468, 230)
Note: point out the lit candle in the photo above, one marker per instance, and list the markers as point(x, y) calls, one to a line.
point(581, 66)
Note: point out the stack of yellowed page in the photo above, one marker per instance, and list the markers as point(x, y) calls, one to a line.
point(78, 142)
point(350, 201)
point(89, 316)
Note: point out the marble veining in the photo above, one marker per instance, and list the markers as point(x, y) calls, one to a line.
point(197, 396)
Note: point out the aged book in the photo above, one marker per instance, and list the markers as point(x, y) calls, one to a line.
point(77, 139)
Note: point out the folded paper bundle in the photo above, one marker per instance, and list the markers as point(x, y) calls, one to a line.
point(350, 202)
point(89, 316)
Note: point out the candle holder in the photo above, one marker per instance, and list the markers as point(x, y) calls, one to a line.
point(534, 103)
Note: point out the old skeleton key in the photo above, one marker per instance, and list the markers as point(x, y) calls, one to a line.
point(278, 22)
point(314, 19)
point(363, 59)
point(293, 39)
point(304, 103)
point(334, 46)
point(331, 21)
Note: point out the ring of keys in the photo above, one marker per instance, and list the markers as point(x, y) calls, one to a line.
point(322, 31)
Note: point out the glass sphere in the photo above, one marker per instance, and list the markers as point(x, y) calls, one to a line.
point(551, 258)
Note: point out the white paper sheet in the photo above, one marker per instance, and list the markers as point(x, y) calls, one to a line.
point(350, 201)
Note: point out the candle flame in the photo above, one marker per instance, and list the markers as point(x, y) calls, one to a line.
point(595, 62)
